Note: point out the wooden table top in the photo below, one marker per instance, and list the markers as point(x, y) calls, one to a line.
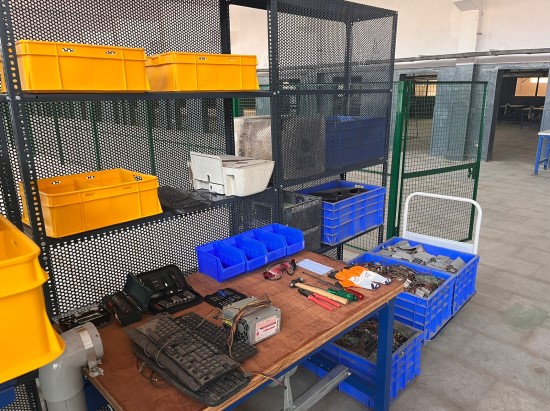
point(305, 326)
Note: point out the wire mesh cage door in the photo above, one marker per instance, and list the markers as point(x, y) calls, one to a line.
point(442, 129)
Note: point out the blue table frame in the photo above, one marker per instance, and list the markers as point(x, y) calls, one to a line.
point(381, 390)
point(543, 136)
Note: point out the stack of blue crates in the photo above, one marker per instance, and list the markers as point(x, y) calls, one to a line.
point(248, 251)
point(465, 284)
point(347, 218)
point(404, 369)
point(427, 314)
point(352, 140)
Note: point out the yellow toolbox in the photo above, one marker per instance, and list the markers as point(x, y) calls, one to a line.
point(248, 67)
point(80, 202)
point(19, 267)
point(55, 67)
point(201, 71)
point(172, 72)
point(28, 339)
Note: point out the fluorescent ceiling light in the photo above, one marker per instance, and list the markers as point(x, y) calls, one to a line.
point(466, 5)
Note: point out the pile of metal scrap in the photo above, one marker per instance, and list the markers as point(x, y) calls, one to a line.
point(415, 283)
point(363, 338)
point(403, 250)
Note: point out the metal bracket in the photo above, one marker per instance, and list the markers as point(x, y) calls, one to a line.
point(91, 358)
point(314, 394)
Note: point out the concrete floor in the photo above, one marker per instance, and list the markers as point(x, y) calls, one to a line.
point(495, 354)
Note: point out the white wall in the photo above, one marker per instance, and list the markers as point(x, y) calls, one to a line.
point(429, 27)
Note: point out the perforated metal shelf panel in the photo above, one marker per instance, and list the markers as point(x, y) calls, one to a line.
point(156, 25)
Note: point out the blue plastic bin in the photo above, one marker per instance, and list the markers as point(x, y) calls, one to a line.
point(352, 216)
point(7, 393)
point(465, 285)
point(255, 251)
point(354, 140)
point(294, 238)
point(404, 369)
point(220, 261)
point(275, 243)
point(429, 314)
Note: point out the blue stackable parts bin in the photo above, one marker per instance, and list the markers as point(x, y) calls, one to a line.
point(404, 369)
point(255, 251)
point(220, 261)
point(248, 251)
point(465, 285)
point(349, 217)
point(294, 238)
point(429, 314)
point(7, 393)
point(353, 140)
point(274, 243)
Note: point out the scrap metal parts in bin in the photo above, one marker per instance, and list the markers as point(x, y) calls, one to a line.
point(415, 283)
point(230, 175)
point(403, 250)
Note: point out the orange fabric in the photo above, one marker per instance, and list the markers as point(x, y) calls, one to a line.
point(344, 275)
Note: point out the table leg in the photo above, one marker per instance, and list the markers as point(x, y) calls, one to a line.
point(546, 153)
point(537, 158)
point(384, 357)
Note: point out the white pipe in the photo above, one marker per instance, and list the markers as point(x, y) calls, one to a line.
point(61, 380)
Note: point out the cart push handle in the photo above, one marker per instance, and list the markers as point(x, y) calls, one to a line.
point(442, 242)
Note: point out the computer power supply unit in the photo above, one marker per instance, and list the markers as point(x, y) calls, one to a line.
point(256, 325)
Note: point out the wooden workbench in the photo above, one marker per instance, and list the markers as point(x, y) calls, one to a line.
point(305, 327)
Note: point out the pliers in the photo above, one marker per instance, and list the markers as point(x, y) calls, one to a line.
point(323, 301)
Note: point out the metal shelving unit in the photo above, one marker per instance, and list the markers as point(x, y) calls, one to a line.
point(327, 57)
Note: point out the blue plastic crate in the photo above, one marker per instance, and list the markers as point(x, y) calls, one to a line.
point(429, 314)
point(354, 140)
point(351, 216)
point(220, 261)
point(465, 285)
point(7, 393)
point(404, 369)
point(294, 238)
point(274, 243)
point(255, 251)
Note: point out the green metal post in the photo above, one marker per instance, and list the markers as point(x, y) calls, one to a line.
point(393, 200)
point(478, 161)
point(95, 132)
point(236, 107)
point(149, 108)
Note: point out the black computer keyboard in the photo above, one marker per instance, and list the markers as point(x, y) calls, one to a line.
point(180, 201)
point(218, 336)
point(211, 394)
point(186, 358)
point(197, 359)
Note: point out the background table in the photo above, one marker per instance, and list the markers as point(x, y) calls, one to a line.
point(543, 135)
point(305, 327)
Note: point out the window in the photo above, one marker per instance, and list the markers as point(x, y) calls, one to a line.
point(425, 89)
point(531, 86)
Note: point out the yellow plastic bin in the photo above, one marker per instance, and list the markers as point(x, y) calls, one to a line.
point(249, 74)
point(172, 72)
point(55, 67)
point(80, 202)
point(218, 72)
point(19, 267)
point(28, 339)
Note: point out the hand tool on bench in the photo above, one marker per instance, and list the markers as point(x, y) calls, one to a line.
point(337, 289)
point(318, 299)
point(299, 283)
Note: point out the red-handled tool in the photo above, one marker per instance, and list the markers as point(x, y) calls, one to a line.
point(311, 296)
point(355, 293)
